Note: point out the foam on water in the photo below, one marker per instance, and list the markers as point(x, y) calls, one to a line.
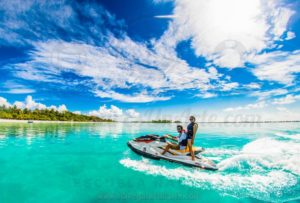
point(265, 169)
point(265, 154)
point(219, 151)
point(287, 136)
point(265, 187)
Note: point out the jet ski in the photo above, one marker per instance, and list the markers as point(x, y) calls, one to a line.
point(151, 146)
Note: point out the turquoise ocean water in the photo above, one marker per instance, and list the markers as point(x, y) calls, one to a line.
point(92, 163)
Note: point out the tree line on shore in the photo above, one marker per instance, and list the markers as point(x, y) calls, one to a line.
point(46, 114)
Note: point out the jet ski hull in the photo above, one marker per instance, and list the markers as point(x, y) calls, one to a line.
point(140, 152)
point(153, 150)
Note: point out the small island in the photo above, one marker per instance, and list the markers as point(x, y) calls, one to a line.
point(46, 115)
point(155, 121)
point(161, 121)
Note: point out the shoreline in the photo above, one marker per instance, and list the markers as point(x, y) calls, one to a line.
point(45, 121)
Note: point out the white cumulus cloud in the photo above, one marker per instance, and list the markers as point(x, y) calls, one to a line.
point(62, 108)
point(114, 112)
point(104, 112)
point(30, 104)
point(290, 35)
point(132, 113)
point(4, 102)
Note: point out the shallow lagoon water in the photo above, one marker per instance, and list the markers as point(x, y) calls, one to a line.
point(92, 163)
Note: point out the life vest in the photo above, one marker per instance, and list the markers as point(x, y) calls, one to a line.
point(190, 130)
point(183, 142)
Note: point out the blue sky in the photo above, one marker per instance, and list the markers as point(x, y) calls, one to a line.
point(161, 58)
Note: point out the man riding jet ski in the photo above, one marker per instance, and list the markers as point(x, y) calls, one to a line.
point(156, 147)
point(182, 142)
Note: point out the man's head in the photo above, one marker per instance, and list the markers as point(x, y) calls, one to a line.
point(192, 119)
point(179, 128)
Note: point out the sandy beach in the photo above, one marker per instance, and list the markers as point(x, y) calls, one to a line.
point(37, 121)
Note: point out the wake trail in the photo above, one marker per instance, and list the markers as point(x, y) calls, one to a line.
point(265, 169)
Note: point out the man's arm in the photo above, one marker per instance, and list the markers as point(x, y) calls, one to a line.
point(171, 137)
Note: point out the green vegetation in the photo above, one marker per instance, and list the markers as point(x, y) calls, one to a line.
point(177, 121)
point(46, 114)
point(161, 121)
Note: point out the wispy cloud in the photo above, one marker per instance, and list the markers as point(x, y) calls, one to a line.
point(263, 95)
point(253, 85)
point(258, 105)
point(25, 22)
point(19, 91)
point(267, 102)
point(120, 64)
point(11, 87)
point(165, 16)
point(278, 66)
point(206, 95)
point(288, 99)
point(131, 98)
point(113, 65)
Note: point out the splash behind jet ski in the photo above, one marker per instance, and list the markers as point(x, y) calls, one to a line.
point(151, 146)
